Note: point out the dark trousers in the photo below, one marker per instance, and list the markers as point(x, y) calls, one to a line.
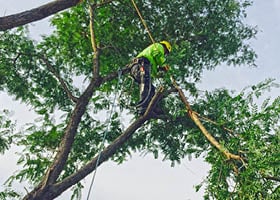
point(141, 72)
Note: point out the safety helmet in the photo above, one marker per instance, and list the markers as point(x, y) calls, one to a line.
point(167, 44)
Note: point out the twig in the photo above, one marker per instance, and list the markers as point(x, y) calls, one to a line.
point(52, 70)
point(61, 81)
point(213, 122)
point(273, 178)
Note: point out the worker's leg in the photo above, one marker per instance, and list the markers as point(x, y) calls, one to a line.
point(147, 93)
point(147, 90)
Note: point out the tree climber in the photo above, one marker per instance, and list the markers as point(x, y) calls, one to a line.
point(145, 67)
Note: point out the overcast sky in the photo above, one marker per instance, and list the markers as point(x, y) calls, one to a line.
point(143, 177)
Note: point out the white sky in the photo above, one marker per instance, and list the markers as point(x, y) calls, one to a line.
point(143, 177)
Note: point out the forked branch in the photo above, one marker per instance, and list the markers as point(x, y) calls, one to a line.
point(55, 189)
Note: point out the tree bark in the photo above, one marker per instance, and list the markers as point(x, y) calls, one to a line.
point(53, 190)
point(35, 14)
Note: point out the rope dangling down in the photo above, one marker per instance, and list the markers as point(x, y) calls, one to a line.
point(114, 101)
point(106, 131)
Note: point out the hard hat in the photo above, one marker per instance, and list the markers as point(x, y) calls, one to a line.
point(167, 44)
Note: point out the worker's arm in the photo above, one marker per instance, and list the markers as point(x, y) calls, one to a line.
point(158, 54)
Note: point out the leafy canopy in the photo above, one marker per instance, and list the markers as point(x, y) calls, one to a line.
point(51, 76)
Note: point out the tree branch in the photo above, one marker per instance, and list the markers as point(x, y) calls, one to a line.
point(94, 45)
point(231, 132)
point(61, 81)
point(66, 143)
point(109, 151)
point(95, 49)
point(91, 21)
point(53, 71)
point(114, 74)
point(19, 19)
point(273, 178)
point(196, 120)
point(50, 190)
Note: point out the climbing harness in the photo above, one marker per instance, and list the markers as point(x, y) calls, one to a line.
point(106, 131)
point(139, 75)
point(142, 75)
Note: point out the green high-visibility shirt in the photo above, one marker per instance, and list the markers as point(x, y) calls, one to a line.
point(155, 54)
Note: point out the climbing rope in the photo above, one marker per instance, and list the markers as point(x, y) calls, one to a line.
point(143, 21)
point(192, 114)
point(106, 131)
point(114, 101)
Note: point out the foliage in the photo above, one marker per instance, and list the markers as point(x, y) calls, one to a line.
point(204, 34)
point(6, 131)
point(8, 193)
point(254, 135)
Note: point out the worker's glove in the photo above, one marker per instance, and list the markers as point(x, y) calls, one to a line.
point(166, 68)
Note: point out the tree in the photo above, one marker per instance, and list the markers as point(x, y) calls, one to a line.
point(94, 41)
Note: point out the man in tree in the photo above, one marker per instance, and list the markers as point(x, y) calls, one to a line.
point(145, 67)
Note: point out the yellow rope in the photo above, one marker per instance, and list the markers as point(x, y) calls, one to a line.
point(143, 21)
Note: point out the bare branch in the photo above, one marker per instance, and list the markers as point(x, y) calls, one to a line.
point(91, 14)
point(94, 45)
point(114, 74)
point(95, 48)
point(64, 149)
point(19, 19)
point(215, 123)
